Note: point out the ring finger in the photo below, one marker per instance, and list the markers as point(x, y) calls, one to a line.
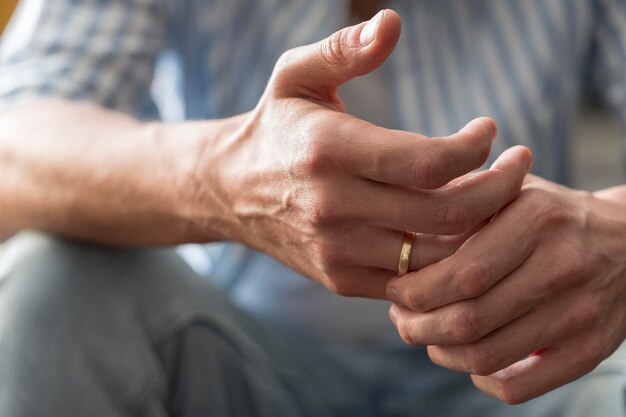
point(380, 248)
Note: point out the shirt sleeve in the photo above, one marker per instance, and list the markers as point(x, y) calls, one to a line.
point(102, 51)
point(608, 58)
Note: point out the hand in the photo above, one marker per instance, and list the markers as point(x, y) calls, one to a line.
point(532, 301)
point(330, 195)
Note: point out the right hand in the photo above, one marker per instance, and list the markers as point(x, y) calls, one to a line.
point(330, 195)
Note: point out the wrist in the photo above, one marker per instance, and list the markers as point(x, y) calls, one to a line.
point(172, 167)
point(609, 221)
point(198, 198)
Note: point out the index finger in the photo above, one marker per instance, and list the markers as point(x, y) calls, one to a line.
point(408, 159)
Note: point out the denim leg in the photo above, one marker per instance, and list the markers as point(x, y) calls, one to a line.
point(93, 331)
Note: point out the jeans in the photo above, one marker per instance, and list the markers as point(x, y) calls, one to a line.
point(94, 331)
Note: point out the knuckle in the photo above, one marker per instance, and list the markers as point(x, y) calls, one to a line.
point(593, 351)
point(578, 266)
point(414, 300)
point(549, 212)
point(591, 310)
point(554, 216)
point(555, 282)
point(534, 199)
point(470, 279)
point(284, 60)
point(588, 262)
point(343, 286)
point(321, 210)
point(328, 255)
point(427, 169)
point(283, 67)
point(513, 395)
point(404, 330)
point(588, 313)
point(319, 155)
point(481, 360)
point(585, 263)
point(434, 356)
point(463, 324)
point(509, 392)
point(332, 49)
point(572, 272)
point(452, 218)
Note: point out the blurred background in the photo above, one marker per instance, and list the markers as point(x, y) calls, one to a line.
point(599, 152)
point(598, 156)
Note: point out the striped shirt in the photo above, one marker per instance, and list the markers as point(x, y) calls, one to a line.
point(526, 63)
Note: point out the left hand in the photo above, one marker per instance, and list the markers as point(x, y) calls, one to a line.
point(534, 300)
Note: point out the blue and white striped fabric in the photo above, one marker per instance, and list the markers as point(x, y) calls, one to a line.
point(526, 63)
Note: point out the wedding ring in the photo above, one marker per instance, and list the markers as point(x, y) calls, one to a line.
point(405, 253)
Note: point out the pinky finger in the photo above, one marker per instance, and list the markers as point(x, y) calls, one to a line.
point(543, 371)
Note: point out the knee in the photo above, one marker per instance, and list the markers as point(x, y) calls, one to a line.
point(46, 280)
point(49, 282)
point(67, 314)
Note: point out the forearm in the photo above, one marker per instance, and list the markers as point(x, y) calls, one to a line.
point(85, 172)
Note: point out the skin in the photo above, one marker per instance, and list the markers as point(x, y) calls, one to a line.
point(534, 300)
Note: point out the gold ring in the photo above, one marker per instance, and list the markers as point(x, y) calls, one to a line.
point(405, 253)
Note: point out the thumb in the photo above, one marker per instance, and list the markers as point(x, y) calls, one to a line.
point(316, 70)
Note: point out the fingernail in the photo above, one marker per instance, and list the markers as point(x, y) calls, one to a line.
point(393, 296)
point(368, 33)
point(393, 312)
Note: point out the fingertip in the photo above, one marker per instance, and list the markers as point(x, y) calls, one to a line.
point(392, 14)
point(528, 158)
point(384, 25)
point(383, 28)
point(483, 126)
point(374, 40)
point(489, 124)
point(391, 26)
point(520, 154)
point(387, 32)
